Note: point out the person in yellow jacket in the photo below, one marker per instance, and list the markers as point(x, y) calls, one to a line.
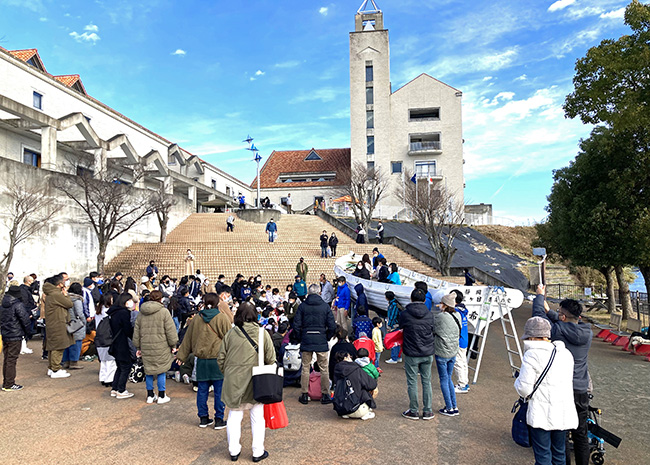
point(377, 338)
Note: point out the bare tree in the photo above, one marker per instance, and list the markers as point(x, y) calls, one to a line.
point(366, 188)
point(434, 209)
point(30, 210)
point(112, 205)
point(162, 204)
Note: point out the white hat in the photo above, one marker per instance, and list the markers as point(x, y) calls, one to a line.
point(144, 279)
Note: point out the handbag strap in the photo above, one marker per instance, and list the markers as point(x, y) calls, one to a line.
point(543, 375)
point(260, 353)
point(249, 339)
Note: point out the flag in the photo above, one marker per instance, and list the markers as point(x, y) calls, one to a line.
point(413, 180)
point(430, 180)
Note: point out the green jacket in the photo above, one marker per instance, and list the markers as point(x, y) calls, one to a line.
point(155, 336)
point(290, 309)
point(204, 339)
point(237, 357)
point(301, 270)
point(446, 327)
point(56, 318)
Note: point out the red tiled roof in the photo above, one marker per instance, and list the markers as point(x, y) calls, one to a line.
point(70, 80)
point(27, 54)
point(293, 161)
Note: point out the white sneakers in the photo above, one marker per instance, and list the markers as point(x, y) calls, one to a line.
point(390, 360)
point(58, 374)
point(151, 400)
point(124, 395)
point(368, 416)
point(163, 400)
point(113, 393)
point(24, 349)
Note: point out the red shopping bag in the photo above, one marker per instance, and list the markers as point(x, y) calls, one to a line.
point(275, 415)
point(393, 339)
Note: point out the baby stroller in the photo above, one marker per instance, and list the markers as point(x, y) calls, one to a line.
point(598, 436)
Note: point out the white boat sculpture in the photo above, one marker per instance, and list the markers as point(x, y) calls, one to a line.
point(473, 295)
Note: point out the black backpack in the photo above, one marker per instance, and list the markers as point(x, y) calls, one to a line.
point(103, 333)
point(346, 400)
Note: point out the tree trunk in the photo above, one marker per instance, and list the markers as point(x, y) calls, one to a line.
point(624, 292)
point(163, 229)
point(5, 269)
point(645, 271)
point(611, 298)
point(101, 256)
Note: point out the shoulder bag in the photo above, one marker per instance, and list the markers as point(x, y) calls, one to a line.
point(268, 380)
point(520, 431)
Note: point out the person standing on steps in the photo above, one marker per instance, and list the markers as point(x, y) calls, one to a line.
point(361, 234)
point(189, 263)
point(314, 324)
point(323, 244)
point(333, 242)
point(380, 232)
point(302, 269)
point(289, 204)
point(230, 223)
point(272, 230)
point(326, 290)
point(242, 202)
point(469, 279)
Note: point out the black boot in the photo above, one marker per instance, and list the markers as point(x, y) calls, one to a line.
point(304, 399)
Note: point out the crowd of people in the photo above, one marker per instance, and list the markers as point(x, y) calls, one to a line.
point(207, 335)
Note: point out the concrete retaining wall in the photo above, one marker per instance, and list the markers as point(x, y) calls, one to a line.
point(259, 216)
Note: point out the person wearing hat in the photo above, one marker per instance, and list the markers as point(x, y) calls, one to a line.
point(551, 409)
point(447, 331)
point(300, 287)
point(88, 300)
point(145, 284)
point(272, 230)
point(567, 327)
point(302, 269)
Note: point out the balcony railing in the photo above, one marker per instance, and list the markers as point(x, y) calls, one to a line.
point(427, 146)
point(434, 174)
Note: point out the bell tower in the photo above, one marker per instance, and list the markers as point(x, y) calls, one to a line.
point(370, 88)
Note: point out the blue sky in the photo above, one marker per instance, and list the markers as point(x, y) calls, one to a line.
point(205, 74)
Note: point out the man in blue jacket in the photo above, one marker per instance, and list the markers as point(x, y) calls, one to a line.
point(342, 302)
point(315, 325)
point(271, 229)
point(567, 327)
point(300, 288)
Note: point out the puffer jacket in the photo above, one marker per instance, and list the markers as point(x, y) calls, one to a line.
point(362, 382)
point(77, 312)
point(418, 325)
point(155, 335)
point(315, 324)
point(447, 329)
point(15, 321)
point(362, 301)
point(204, 335)
point(56, 318)
point(552, 406)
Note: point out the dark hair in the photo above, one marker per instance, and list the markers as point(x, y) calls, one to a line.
point(421, 285)
point(106, 300)
point(376, 321)
point(183, 290)
point(418, 296)
point(572, 306)
point(164, 278)
point(226, 289)
point(75, 288)
point(198, 271)
point(156, 296)
point(390, 295)
point(341, 333)
point(289, 287)
point(283, 327)
point(393, 267)
point(211, 300)
point(362, 352)
point(362, 311)
point(93, 274)
point(365, 258)
point(55, 280)
point(459, 295)
point(123, 299)
point(184, 281)
point(245, 314)
point(151, 262)
point(382, 260)
point(130, 284)
point(340, 356)
point(266, 312)
point(221, 276)
point(293, 295)
point(116, 286)
point(341, 279)
point(275, 291)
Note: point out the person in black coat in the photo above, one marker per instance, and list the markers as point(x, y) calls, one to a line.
point(315, 325)
point(333, 242)
point(185, 308)
point(323, 244)
point(15, 322)
point(120, 349)
point(361, 271)
point(362, 383)
point(343, 345)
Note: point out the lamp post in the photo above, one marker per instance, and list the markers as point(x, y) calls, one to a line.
point(257, 159)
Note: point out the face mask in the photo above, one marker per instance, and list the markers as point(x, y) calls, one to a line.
point(67, 283)
point(222, 280)
point(359, 266)
point(130, 304)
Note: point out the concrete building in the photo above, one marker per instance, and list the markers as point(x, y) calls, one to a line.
point(416, 129)
point(50, 125)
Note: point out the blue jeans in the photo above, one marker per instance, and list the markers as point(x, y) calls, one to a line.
point(176, 323)
point(323, 252)
point(161, 381)
point(72, 353)
point(548, 446)
point(270, 236)
point(445, 369)
point(413, 366)
point(394, 353)
point(377, 355)
point(202, 398)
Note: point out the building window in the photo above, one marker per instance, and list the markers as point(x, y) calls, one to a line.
point(38, 100)
point(214, 184)
point(395, 167)
point(31, 158)
point(425, 169)
point(424, 114)
point(228, 190)
point(369, 96)
point(370, 119)
point(370, 145)
point(425, 142)
point(369, 73)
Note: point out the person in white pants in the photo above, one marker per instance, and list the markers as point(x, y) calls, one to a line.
point(107, 365)
point(460, 365)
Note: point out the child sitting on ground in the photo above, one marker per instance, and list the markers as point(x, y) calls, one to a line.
point(363, 360)
point(377, 338)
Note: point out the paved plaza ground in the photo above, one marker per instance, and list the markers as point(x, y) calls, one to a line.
point(75, 421)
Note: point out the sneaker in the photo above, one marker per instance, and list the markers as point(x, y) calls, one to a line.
point(26, 350)
point(49, 372)
point(461, 388)
point(44, 357)
point(391, 361)
point(303, 399)
point(427, 415)
point(211, 388)
point(399, 360)
point(411, 415)
point(164, 400)
point(59, 374)
point(195, 388)
point(113, 393)
point(380, 371)
point(455, 412)
point(177, 376)
point(152, 399)
point(205, 422)
point(448, 413)
point(326, 400)
point(347, 417)
point(124, 395)
point(220, 423)
point(186, 378)
point(368, 416)
point(15, 387)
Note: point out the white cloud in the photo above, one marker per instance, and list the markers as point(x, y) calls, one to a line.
point(67, 15)
point(179, 52)
point(288, 64)
point(614, 14)
point(581, 38)
point(497, 61)
point(487, 78)
point(342, 114)
point(518, 109)
point(42, 19)
point(560, 5)
point(501, 96)
point(324, 10)
point(85, 37)
point(579, 13)
point(259, 72)
point(523, 77)
point(33, 5)
point(91, 28)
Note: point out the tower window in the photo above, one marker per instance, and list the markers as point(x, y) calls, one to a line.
point(424, 114)
point(370, 144)
point(369, 73)
point(395, 167)
point(369, 96)
point(38, 100)
point(370, 119)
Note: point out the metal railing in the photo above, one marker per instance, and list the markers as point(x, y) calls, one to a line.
point(425, 146)
point(640, 304)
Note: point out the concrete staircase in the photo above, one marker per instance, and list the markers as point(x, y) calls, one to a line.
point(247, 250)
